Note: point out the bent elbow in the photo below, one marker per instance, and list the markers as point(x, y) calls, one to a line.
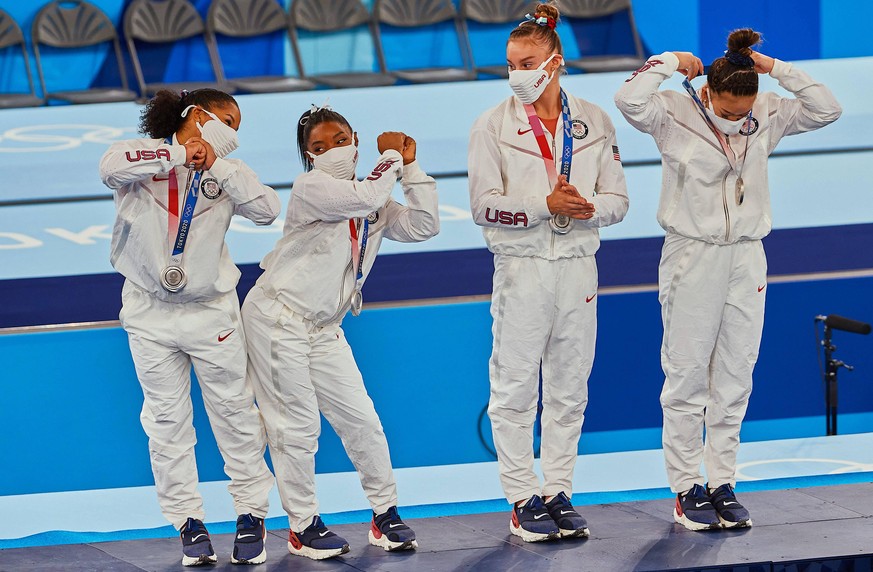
point(265, 220)
point(833, 113)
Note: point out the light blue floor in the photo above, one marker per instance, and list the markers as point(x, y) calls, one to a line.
point(71, 139)
point(58, 518)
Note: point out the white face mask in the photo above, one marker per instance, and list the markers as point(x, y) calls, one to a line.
point(221, 136)
point(529, 85)
point(338, 162)
point(726, 126)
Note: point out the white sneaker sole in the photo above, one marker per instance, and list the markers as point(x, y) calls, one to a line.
point(259, 559)
point(741, 524)
point(580, 533)
point(391, 546)
point(314, 554)
point(199, 560)
point(529, 536)
point(691, 525)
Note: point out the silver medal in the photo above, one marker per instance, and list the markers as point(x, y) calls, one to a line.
point(173, 278)
point(561, 224)
point(740, 191)
point(357, 303)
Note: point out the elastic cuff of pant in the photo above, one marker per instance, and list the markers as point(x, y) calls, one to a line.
point(679, 489)
point(257, 513)
point(553, 491)
point(383, 508)
point(523, 497)
point(715, 484)
point(299, 525)
point(178, 524)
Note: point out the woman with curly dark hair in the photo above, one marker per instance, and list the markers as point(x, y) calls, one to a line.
point(175, 194)
point(715, 207)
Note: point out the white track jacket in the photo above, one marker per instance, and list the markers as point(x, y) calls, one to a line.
point(139, 172)
point(509, 183)
point(310, 269)
point(697, 188)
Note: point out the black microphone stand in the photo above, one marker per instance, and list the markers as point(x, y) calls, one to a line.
point(831, 367)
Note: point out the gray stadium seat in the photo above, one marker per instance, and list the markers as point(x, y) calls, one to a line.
point(77, 25)
point(326, 16)
point(578, 10)
point(10, 37)
point(165, 22)
point(417, 14)
point(494, 13)
point(249, 19)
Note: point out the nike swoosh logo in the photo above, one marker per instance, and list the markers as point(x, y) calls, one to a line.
point(520, 132)
point(588, 299)
point(539, 516)
point(225, 334)
point(566, 512)
point(700, 504)
point(323, 534)
point(196, 537)
point(394, 525)
point(725, 503)
point(761, 288)
point(241, 536)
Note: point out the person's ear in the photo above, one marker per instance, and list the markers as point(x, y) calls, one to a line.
point(556, 63)
point(355, 135)
point(704, 94)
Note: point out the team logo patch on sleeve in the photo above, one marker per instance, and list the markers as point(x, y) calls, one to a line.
point(615, 154)
point(210, 189)
point(579, 129)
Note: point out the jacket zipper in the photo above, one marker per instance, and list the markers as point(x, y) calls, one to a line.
point(727, 214)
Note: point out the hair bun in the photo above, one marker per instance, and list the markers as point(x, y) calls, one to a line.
point(547, 11)
point(742, 40)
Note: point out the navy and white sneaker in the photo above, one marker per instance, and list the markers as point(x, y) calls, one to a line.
point(196, 544)
point(730, 512)
point(389, 532)
point(570, 523)
point(532, 521)
point(694, 510)
point(316, 542)
point(248, 545)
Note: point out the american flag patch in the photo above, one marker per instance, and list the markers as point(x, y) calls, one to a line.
point(615, 154)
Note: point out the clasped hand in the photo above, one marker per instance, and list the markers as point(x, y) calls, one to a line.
point(566, 200)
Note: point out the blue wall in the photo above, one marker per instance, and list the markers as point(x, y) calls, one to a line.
point(73, 401)
point(804, 29)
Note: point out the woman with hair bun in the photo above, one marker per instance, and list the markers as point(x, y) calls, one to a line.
point(541, 221)
point(175, 194)
point(715, 209)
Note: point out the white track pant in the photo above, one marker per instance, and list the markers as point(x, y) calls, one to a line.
point(712, 305)
point(165, 341)
point(545, 312)
point(297, 369)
